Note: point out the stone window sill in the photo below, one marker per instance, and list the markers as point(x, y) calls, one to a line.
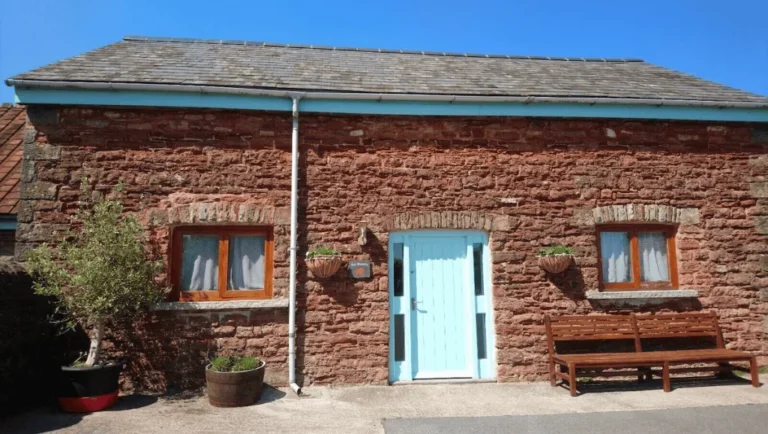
point(221, 305)
point(642, 295)
point(633, 295)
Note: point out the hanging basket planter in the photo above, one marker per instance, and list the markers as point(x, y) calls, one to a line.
point(555, 259)
point(555, 264)
point(323, 262)
point(324, 266)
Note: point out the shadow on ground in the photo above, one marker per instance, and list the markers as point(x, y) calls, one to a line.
point(50, 418)
point(598, 386)
point(270, 394)
point(39, 421)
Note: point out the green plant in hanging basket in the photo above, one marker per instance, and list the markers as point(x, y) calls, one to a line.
point(322, 251)
point(554, 250)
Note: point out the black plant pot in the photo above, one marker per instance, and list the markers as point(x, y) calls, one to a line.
point(85, 389)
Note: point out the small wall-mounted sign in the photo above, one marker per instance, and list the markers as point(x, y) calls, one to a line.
point(360, 269)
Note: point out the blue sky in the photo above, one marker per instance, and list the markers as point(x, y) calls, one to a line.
point(721, 41)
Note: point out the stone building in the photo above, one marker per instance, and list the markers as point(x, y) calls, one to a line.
point(12, 121)
point(445, 173)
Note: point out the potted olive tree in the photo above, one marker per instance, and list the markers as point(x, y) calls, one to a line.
point(555, 258)
point(99, 275)
point(234, 381)
point(323, 262)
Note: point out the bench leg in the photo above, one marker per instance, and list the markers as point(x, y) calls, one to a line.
point(754, 371)
point(572, 378)
point(552, 376)
point(665, 378)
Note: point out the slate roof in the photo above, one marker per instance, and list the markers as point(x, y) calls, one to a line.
point(12, 121)
point(306, 68)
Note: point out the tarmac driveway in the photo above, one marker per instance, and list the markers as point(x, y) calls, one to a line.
point(742, 419)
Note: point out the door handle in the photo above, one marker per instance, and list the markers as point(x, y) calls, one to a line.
point(414, 303)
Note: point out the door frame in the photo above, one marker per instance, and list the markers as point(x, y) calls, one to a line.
point(401, 305)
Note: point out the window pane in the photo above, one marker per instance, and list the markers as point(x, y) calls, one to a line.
point(654, 264)
point(398, 271)
point(246, 262)
point(477, 256)
point(482, 352)
point(7, 243)
point(399, 337)
point(200, 263)
point(614, 249)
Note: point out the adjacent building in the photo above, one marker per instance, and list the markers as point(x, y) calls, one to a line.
point(12, 121)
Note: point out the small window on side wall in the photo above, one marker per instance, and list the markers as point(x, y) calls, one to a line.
point(221, 263)
point(634, 257)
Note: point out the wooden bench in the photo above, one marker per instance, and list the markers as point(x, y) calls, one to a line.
point(634, 330)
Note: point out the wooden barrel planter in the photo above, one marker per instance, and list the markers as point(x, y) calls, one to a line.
point(234, 389)
point(555, 264)
point(324, 266)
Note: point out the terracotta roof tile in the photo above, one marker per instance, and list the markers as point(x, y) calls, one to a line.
point(12, 121)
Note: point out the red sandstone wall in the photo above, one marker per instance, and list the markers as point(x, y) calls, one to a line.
point(390, 173)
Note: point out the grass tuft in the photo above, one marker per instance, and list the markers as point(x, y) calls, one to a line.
point(234, 364)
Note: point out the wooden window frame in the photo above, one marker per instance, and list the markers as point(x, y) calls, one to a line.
point(224, 233)
point(634, 248)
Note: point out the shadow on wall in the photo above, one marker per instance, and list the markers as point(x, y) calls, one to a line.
point(648, 306)
point(570, 283)
point(302, 274)
point(164, 352)
point(31, 348)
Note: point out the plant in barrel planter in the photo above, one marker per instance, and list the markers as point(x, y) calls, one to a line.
point(234, 381)
point(98, 274)
point(323, 262)
point(555, 259)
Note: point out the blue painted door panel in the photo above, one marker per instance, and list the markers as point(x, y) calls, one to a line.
point(438, 276)
point(440, 309)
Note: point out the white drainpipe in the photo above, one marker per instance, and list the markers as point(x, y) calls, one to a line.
point(294, 217)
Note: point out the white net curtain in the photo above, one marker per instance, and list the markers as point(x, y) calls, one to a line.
point(246, 262)
point(617, 257)
point(200, 263)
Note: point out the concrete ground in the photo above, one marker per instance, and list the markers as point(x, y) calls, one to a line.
point(362, 409)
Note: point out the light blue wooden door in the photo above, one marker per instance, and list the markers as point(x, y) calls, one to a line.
point(440, 306)
point(438, 266)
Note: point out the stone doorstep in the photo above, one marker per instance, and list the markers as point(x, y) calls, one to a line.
point(642, 295)
point(221, 305)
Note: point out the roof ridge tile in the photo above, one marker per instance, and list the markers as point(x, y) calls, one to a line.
point(371, 50)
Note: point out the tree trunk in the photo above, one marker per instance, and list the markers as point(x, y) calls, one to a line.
point(94, 352)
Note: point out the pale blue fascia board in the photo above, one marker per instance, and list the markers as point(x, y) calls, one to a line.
point(549, 110)
point(386, 107)
point(150, 99)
